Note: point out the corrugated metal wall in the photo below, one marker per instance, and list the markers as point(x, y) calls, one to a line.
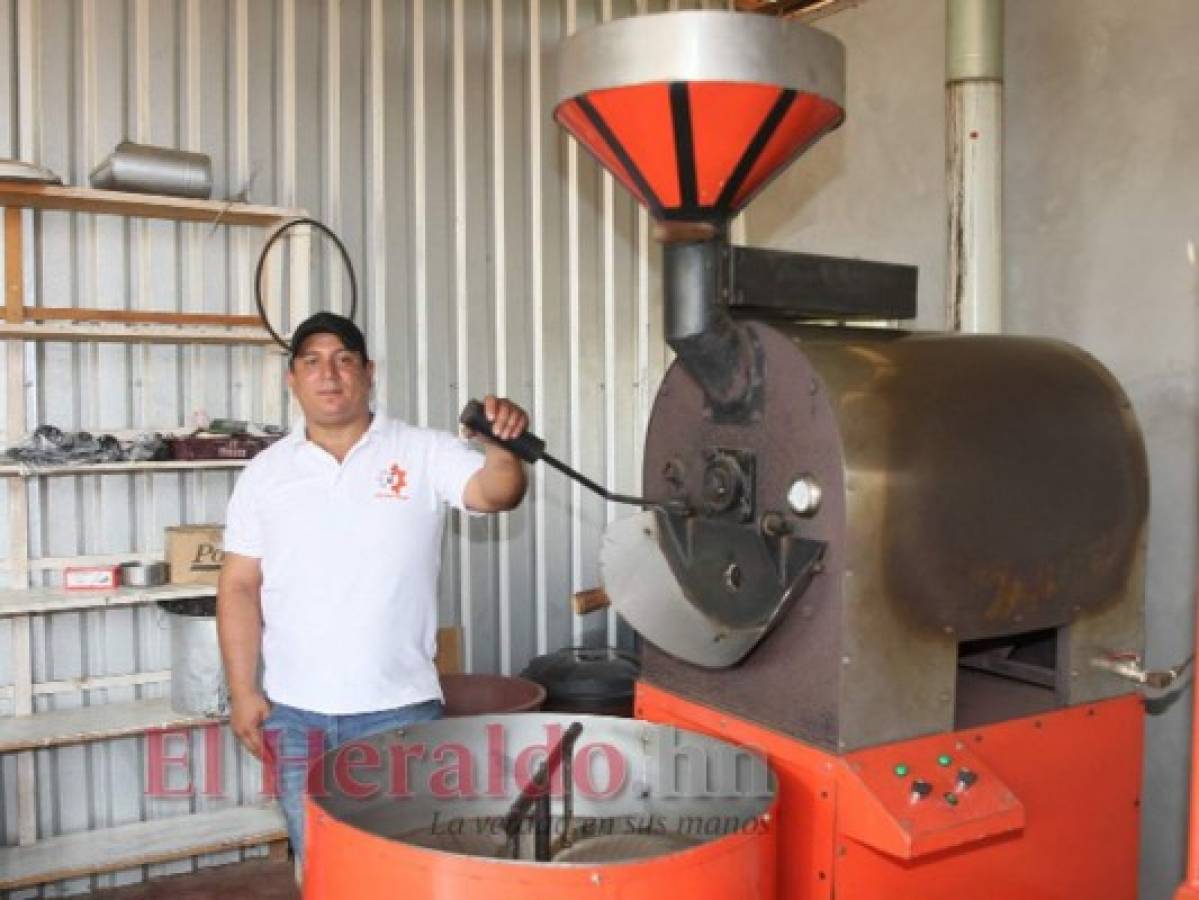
point(492, 255)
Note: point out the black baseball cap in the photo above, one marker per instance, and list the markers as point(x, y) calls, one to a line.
point(342, 328)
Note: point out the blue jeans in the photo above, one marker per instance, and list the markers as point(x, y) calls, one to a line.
point(300, 737)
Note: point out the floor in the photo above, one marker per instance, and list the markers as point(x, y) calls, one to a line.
point(254, 880)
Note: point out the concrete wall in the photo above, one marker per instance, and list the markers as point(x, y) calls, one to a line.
point(1102, 228)
point(1103, 222)
point(875, 187)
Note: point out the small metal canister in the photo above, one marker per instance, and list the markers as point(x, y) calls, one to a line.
point(143, 574)
point(155, 170)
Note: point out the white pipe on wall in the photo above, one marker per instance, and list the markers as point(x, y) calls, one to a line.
point(974, 120)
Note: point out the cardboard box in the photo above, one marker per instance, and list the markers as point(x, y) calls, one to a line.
point(194, 553)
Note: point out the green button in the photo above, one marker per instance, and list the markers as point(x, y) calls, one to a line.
point(944, 760)
point(951, 799)
point(901, 770)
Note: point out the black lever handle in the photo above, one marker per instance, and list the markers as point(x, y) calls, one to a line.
point(531, 449)
point(527, 446)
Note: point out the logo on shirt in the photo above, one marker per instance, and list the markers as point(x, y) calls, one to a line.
point(392, 482)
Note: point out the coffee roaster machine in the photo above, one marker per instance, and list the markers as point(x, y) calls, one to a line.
point(901, 566)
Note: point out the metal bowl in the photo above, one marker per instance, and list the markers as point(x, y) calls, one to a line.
point(476, 694)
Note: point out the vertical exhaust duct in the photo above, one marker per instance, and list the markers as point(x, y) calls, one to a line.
point(974, 97)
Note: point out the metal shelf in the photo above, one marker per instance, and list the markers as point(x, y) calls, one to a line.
point(16, 602)
point(13, 470)
point(102, 721)
point(142, 843)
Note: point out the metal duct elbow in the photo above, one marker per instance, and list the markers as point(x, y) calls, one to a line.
point(715, 350)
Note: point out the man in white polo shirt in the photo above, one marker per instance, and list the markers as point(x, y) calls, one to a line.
point(332, 550)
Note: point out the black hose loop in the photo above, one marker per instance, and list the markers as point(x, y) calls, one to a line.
point(261, 267)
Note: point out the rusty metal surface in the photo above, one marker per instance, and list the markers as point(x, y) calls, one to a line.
point(974, 487)
point(1016, 483)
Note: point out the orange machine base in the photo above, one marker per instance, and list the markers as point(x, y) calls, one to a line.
point(1051, 810)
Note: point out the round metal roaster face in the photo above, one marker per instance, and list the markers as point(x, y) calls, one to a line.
point(419, 811)
point(794, 437)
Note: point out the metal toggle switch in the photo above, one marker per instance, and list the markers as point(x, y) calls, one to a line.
point(920, 790)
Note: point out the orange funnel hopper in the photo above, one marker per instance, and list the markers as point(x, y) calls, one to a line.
point(695, 112)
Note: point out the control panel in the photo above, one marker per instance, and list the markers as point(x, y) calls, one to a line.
point(922, 797)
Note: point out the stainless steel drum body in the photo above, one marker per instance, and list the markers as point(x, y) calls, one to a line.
point(419, 812)
point(971, 487)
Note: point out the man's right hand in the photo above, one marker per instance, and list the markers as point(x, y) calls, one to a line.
point(248, 713)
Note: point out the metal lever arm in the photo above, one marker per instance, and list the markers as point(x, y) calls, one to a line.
point(536, 795)
point(531, 448)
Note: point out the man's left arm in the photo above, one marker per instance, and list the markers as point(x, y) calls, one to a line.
point(500, 484)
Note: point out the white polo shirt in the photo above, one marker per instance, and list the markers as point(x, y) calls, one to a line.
point(350, 555)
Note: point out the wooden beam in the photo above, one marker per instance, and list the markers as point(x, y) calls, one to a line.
point(589, 601)
point(11, 470)
point(14, 262)
point(131, 334)
point(93, 723)
point(18, 522)
point(94, 683)
point(49, 600)
point(139, 844)
point(449, 650)
point(145, 206)
point(137, 317)
point(276, 851)
point(22, 666)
